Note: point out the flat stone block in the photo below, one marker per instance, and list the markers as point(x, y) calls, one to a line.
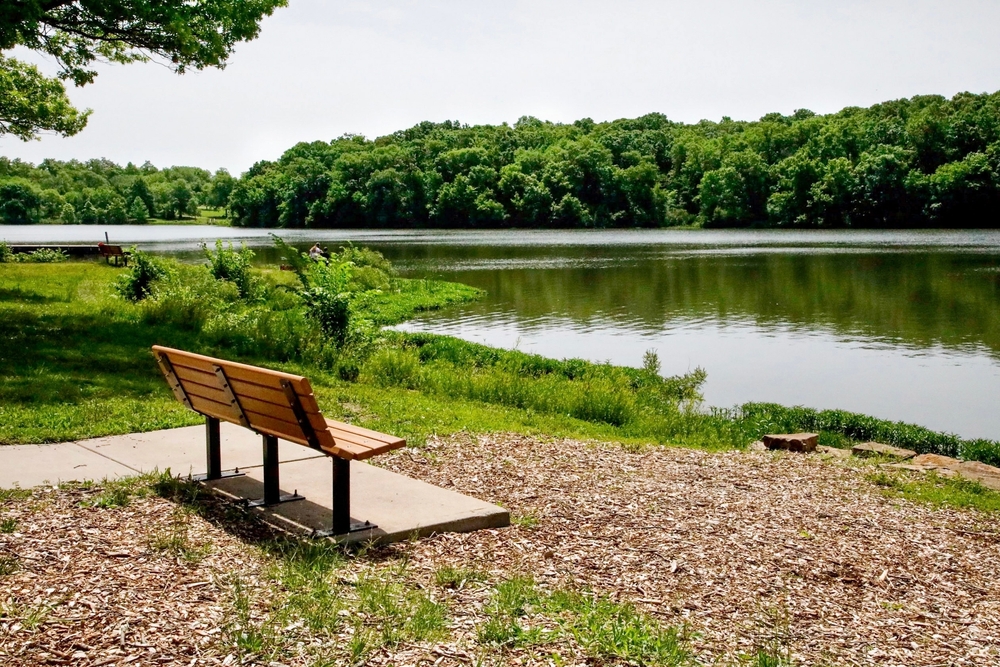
point(833, 452)
point(931, 461)
point(32, 465)
point(987, 475)
point(869, 449)
point(793, 442)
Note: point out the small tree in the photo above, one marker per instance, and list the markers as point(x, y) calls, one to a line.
point(88, 214)
point(137, 212)
point(325, 290)
point(20, 203)
point(182, 195)
point(140, 189)
point(115, 213)
point(68, 214)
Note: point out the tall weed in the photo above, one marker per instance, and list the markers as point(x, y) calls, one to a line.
point(234, 266)
point(137, 282)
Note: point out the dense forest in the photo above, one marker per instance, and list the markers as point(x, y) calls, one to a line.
point(921, 162)
point(102, 192)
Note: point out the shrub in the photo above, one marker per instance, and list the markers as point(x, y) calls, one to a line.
point(332, 311)
point(348, 370)
point(6, 254)
point(234, 266)
point(188, 299)
point(136, 284)
point(325, 290)
point(366, 257)
point(40, 256)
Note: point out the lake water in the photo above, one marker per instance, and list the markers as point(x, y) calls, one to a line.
point(902, 325)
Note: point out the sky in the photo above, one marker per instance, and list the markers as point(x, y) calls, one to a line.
point(324, 68)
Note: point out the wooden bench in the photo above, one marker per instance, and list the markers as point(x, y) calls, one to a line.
point(109, 251)
point(274, 405)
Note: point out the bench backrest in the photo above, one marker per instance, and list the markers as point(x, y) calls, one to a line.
point(266, 401)
point(110, 250)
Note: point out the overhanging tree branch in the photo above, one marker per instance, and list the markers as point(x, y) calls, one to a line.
point(184, 33)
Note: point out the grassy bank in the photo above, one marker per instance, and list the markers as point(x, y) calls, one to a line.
point(77, 363)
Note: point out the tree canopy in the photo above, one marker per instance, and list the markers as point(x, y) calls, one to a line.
point(920, 162)
point(77, 33)
point(102, 192)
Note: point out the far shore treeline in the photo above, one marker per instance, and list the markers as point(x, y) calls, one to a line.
point(102, 192)
point(922, 162)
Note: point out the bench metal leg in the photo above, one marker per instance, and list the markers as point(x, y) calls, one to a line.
point(213, 448)
point(213, 453)
point(342, 502)
point(341, 496)
point(272, 490)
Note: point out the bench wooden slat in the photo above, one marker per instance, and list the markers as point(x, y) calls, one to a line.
point(236, 371)
point(265, 424)
point(209, 381)
point(211, 408)
point(366, 432)
point(252, 406)
point(289, 431)
point(343, 438)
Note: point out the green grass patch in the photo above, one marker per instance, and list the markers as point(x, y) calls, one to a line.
point(8, 525)
point(410, 297)
point(607, 631)
point(457, 577)
point(8, 565)
point(112, 493)
point(526, 520)
point(14, 494)
point(937, 490)
point(175, 539)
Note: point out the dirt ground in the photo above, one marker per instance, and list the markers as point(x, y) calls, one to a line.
point(742, 549)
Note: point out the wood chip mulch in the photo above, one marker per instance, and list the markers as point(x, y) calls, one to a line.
point(747, 549)
point(92, 589)
point(743, 549)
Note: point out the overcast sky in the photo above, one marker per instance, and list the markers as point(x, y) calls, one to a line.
point(322, 68)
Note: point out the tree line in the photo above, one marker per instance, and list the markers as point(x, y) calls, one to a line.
point(102, 192)
point(927, 161)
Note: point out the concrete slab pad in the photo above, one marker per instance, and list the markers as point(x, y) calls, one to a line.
point(32, 465)
point(183, 449)
point(401, 507)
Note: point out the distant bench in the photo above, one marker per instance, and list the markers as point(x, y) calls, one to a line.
point(109, 251)
point(275, 405)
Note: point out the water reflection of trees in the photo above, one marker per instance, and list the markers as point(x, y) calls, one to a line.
point(917, 299)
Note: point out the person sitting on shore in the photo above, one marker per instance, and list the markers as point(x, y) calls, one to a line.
point(315, 252)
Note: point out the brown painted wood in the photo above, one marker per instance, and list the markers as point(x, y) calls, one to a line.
point(175, 384)
point(257, 398)
point(365, 432)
